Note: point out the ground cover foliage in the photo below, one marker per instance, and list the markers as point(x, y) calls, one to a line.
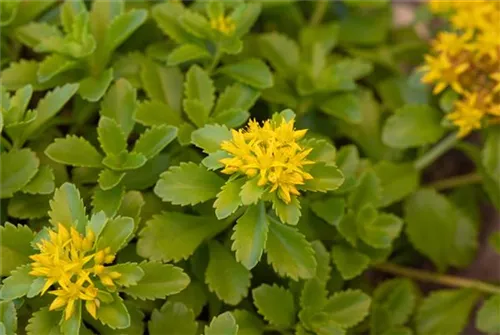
point(246, 167)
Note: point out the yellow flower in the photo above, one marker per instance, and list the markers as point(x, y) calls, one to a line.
point(223, 24)
point(452, 43)
point(467, 114)
point(441, 70)
point(488, 44)
point(67, 260)
point(496, 77)
point(270, 152)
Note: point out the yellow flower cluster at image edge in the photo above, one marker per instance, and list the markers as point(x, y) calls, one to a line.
point(467, 59)
point(67, 260)
point(272, 153)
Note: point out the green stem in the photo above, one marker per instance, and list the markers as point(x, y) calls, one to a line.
point(430, 156)
point(319, 11)
point(6, 143)
point(432, 277)
point(215, 61)
point(466, 179)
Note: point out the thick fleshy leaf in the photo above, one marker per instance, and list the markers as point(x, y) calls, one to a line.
point(120, 104)
point(399, 297)
point(16, 247)
point(198, 86)
point(154, 140)
point(75, 151)
point(349, 261)
point(159, 281)
point(289, 252)
point(175, 236)
point(397, 181)
point(227, 278)
point(44, 322)
point(67, 208)
point(186, 53)
point(250, 235)
point(42, 182)
point(445, 312)
point(228, 199)
point(116, 233)
point(111, 136)
point(93, 88)
point(325, 178)
point(114, 314)
point(487, 317)
point(222, 324)
point(253, 72)
point(248, 323)
point(172, 318)
point(210, 137)
point(131, 273)
point(17, 284)
point(107, 201)
point(17, 168)
point(275, 304)
point(188, 184)
point(348, 308)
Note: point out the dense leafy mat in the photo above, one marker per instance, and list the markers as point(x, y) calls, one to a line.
point(246, 167)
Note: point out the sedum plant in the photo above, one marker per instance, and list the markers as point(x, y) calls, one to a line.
point(248, 167)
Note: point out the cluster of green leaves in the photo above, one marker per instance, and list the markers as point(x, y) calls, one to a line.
point(112, 115)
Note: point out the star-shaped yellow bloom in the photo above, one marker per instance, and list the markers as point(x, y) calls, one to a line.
point(467, 115)
point(270, 152)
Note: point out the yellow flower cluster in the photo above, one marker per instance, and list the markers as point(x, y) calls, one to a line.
point(223, 24)
point(67, 259)
point(467, 59)
point(271, 153)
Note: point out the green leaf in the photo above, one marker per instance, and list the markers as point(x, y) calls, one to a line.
point(24, 206)
point(115, 234)
point(348, 308)
point(275, 304)
point(131, 273)
point(50, 105)
point(212, 161)
point(111, 136)
point(250, 235)
point(281, 51)
point(288, 213)
point(399, 296)
point(222, 324)
point(236, 96)
point(97, 223)
point(67, 208)
point(187, 53)
point(490, 154)
point(107, 201)
point(154, 140)
point(210, 137)
point(167, 16)
point(232, 118)
point(102, 14)
point(17, 168)
point(380, 232)
point(163, 84)
point(487, 317)
point(8, 317)
point(20, 74)
point(494, 241)
point(325, 178)
point(195, 24)
point(172, 318)
point(175, 236)
point(33, 33)
point(75, 151)
point(330, 209)
point(124, 161)
point(54, 65)
point(349, 261)
point(194, 296)
point(123, 26)
point(253, 72)
point(153, 113)
point(365, 30)
point(198, 86)
point(368, 191)
point(397, 181)
point(109, 178)
point(120, 104)
point(44, 322)
point(93, 88)
point(345, 106)
point(17, 284)
point(251, 192)
point(413, 126)
point(16, 247)
point(289, 252)
point(115, 314)
point(188, 183)
point(196, 112)
point(159, 281)
point(437, 229)
point(227, 278)
point(445, 312)
point(42, 182)
point(228, 199)
point(248, 323)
